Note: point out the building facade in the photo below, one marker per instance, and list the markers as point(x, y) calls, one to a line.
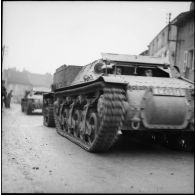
point(164, 44)
point(23, 81)
point(18, 82)
point(185, 44)
point(18, 91)
point(176, 42)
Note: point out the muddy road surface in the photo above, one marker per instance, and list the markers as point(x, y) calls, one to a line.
point(35, 159)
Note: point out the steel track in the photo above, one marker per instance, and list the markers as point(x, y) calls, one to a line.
point(110, 121)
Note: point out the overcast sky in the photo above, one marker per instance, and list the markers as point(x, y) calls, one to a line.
point(41, 36)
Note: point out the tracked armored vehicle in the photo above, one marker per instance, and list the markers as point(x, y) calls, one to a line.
point(32, 101)
point(90, 105)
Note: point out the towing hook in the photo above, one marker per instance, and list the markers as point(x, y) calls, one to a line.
point(135, 125)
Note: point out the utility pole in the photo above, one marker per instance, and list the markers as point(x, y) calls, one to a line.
point(2, 54)
point(169, 25)
point(168, 18)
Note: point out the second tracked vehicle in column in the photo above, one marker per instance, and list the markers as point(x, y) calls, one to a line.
point(32, 101)
point(90, 105)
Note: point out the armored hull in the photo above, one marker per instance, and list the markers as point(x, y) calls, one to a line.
point(98, 104)
point(32, 101)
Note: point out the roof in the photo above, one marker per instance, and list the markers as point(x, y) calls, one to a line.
point(134, 58)
point(183, 17)
point(17, 77)
point(39, 80)
point(27, 78)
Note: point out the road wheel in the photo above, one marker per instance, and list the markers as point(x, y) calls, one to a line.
point(48, 117)
point(92, 127)
point(76, 123)
point(104, 121)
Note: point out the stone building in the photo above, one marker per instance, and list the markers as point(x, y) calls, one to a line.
point(185, 43)
point(176, 42)
point(164, 44)
point(19, 82)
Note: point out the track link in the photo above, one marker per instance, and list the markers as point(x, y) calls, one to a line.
point(110, 114)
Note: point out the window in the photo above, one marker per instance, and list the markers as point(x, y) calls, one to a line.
point(185, 61)
point(190, 60)
point(188, 64)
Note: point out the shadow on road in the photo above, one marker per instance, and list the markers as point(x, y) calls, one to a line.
point(129, 144)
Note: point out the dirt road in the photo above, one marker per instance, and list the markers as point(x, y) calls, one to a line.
point(37, 159)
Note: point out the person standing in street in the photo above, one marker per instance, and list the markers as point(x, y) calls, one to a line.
point(9, 96)
point(3, 94)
